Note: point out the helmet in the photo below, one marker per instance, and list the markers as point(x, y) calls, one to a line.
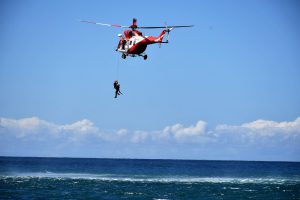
point(119, 35)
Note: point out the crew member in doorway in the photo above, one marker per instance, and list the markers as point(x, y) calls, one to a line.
point(122, 42)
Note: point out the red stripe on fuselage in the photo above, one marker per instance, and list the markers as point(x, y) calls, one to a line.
point(139, 47)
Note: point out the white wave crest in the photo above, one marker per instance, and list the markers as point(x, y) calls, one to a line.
point(154, 179)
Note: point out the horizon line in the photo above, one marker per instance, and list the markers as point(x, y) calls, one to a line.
point(173, 159)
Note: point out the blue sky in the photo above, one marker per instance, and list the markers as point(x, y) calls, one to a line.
point(228, 88)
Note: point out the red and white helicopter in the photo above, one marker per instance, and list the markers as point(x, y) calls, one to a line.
point(133, 43)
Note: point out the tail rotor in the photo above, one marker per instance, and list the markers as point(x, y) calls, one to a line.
point(168, 30)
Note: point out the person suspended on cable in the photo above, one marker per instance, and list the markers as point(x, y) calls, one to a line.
point(117, 89)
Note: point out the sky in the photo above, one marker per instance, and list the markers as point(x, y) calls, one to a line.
point(226, 89)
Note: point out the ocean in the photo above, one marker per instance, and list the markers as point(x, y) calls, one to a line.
point(84, 178)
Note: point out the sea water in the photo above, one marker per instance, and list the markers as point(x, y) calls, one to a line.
point(82, 178)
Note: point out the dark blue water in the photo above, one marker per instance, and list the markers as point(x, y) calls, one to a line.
point(75, 178)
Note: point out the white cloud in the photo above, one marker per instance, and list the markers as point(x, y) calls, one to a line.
point(27, 126)
point(35, 128)
point(263, 128)
point(179, 132)
point(84, 126)
point(285, 127)
point(139, 136)
point(260, 133)
point(84, 138)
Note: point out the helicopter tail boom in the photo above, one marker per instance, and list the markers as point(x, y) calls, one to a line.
point(158, 39)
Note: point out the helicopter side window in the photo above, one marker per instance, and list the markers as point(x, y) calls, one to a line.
point(130, 42)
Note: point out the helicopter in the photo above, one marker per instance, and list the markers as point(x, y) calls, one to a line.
point(133, 43)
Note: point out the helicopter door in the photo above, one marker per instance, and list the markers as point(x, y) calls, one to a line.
point(126, 45)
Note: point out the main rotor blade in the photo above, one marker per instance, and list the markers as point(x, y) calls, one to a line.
point(153, 27)
point(102, 24)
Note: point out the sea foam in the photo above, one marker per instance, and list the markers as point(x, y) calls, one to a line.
point(153, 178)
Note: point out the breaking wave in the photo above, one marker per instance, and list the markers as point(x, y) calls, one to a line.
point(150, 179)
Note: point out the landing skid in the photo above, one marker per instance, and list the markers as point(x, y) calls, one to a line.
point(124, 55)
point(144, 56)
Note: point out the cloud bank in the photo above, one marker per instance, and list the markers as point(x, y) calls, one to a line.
point(257, 140)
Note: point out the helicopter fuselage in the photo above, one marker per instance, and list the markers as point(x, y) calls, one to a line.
point(134, 43)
